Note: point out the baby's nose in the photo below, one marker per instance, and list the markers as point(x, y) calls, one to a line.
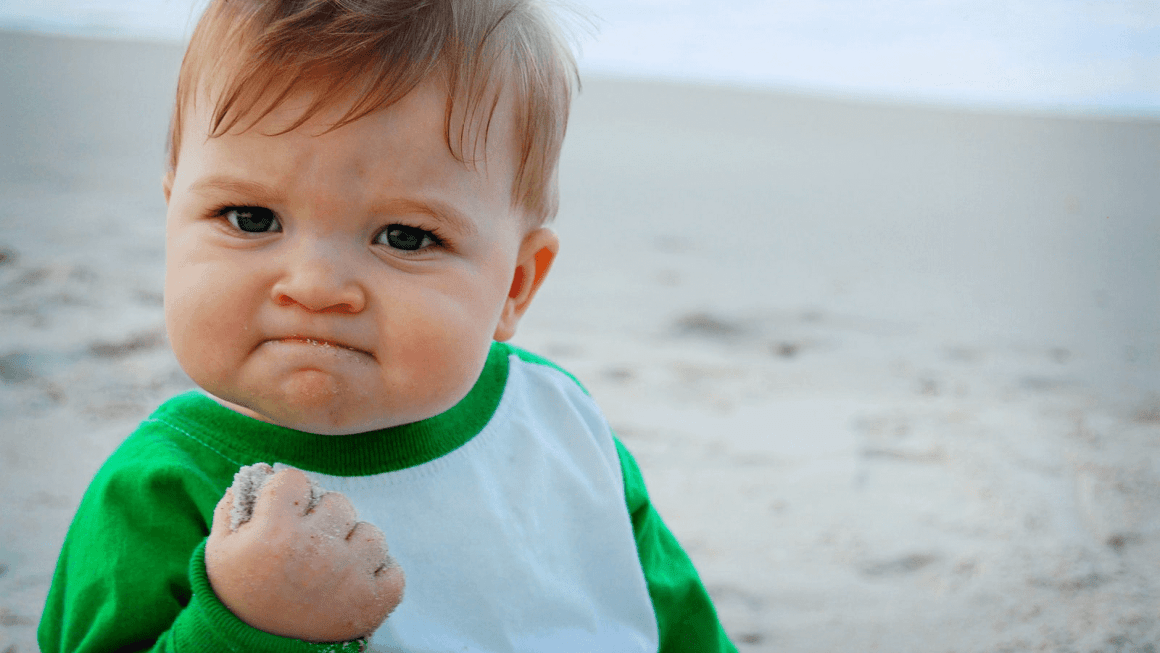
point(320, 281)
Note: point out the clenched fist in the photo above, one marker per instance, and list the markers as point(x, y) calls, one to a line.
point(293, 560)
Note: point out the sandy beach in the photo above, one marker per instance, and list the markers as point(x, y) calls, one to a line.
point(892, 373)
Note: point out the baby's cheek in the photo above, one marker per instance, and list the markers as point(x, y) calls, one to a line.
point(187, 348)
point(203, 363)
point(206, 323)
point(447, 359)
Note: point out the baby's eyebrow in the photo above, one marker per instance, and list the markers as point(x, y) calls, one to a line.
point(230, 185)
point(433, 207)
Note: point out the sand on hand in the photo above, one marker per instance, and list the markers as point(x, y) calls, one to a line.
point(344, 581)
point(248, 483)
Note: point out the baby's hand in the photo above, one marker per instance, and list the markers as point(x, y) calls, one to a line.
point(301, 565)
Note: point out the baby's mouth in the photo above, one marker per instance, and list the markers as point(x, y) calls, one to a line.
point(320, 342)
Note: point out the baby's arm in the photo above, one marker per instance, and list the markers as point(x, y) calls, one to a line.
point(301, 565)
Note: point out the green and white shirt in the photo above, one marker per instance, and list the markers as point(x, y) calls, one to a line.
point(520, 521)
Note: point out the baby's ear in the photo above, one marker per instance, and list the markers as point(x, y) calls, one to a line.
point(537, 252)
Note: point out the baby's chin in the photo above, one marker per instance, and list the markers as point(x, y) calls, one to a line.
point(314, 404)
point(327, 402)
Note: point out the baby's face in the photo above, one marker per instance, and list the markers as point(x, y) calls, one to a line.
point(345, 281)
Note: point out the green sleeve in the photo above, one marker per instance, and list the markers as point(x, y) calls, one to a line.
point(685, 615)
point(131, 573)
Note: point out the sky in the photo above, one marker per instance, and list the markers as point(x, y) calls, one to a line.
point(1085, 56)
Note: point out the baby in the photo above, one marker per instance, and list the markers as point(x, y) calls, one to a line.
point(357, 194)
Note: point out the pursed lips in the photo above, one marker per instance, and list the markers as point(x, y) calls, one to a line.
point(321, 342)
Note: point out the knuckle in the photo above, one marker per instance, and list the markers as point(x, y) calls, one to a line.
point(290, 474)
point(335, 506)
point(336, 499)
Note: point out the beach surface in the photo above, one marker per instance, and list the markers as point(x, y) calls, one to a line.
point(892, 373)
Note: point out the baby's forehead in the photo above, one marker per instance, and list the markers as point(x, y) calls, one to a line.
point(403, 150)
point(498, 58)
point(474, 125)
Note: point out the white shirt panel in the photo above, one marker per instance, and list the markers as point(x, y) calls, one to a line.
point(518, 541)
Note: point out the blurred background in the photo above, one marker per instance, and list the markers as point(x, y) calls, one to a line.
point(1062, 55)
point(870, 289)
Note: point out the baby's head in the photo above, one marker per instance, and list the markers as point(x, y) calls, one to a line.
point(357, 191)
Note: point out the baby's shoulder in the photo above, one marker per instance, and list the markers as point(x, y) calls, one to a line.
point(527, 358)
point(545, 400)
point(526, 368)
point(166, 455)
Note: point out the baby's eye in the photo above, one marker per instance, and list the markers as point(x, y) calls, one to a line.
point(406, 238)
point(252, 219)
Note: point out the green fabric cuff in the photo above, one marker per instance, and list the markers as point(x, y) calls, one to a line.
point(208, 625)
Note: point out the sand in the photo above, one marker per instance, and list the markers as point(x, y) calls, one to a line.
point(248, 484)
point(892, 373)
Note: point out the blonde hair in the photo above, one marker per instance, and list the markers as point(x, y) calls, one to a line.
point(258, 53)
